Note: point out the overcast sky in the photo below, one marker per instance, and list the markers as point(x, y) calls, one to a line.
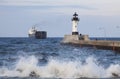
point(97, 17)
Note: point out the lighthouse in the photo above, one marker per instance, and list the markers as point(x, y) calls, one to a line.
point(75, 21)
point(75, 37)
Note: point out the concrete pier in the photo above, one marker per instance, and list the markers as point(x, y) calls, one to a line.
point(85, 41)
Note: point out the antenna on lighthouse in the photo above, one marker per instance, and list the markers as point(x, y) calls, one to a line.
point(75, 21)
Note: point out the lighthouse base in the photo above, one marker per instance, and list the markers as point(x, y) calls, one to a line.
point(75, 33)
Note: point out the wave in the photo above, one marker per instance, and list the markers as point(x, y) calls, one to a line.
point(29, 67)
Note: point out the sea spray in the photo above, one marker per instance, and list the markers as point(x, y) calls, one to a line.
point(113, 70)
point(28, 66)
point(91, 69)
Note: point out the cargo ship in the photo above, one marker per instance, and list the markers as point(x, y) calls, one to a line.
point(34, 33)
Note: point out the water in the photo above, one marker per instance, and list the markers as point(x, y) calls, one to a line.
point(25, 58)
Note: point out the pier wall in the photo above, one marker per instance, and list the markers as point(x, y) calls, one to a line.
point(102, 44)
point(70, 38)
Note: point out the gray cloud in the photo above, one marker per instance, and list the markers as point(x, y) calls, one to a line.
point(46, 4)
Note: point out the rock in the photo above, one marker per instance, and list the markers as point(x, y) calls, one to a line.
point(33, 74)
point(115, 75)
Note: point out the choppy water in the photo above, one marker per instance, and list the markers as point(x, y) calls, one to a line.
point(24, 58)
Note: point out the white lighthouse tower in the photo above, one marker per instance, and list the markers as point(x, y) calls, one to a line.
point(75, 21)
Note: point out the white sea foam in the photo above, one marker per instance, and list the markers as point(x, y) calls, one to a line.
point(60, 69)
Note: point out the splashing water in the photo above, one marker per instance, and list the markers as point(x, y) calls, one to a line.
point(23, 57)
point(26, 67)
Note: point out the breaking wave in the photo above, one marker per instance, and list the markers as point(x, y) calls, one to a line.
point(29, 67)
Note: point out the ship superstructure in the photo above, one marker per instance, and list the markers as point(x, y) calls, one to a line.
point(34, 33)
point(31, 32)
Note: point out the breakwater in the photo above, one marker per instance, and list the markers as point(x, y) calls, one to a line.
point(85, 41)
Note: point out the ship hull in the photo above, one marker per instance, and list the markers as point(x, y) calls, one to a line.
point(41, 34)
point(38, 35)
point(31, 35)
